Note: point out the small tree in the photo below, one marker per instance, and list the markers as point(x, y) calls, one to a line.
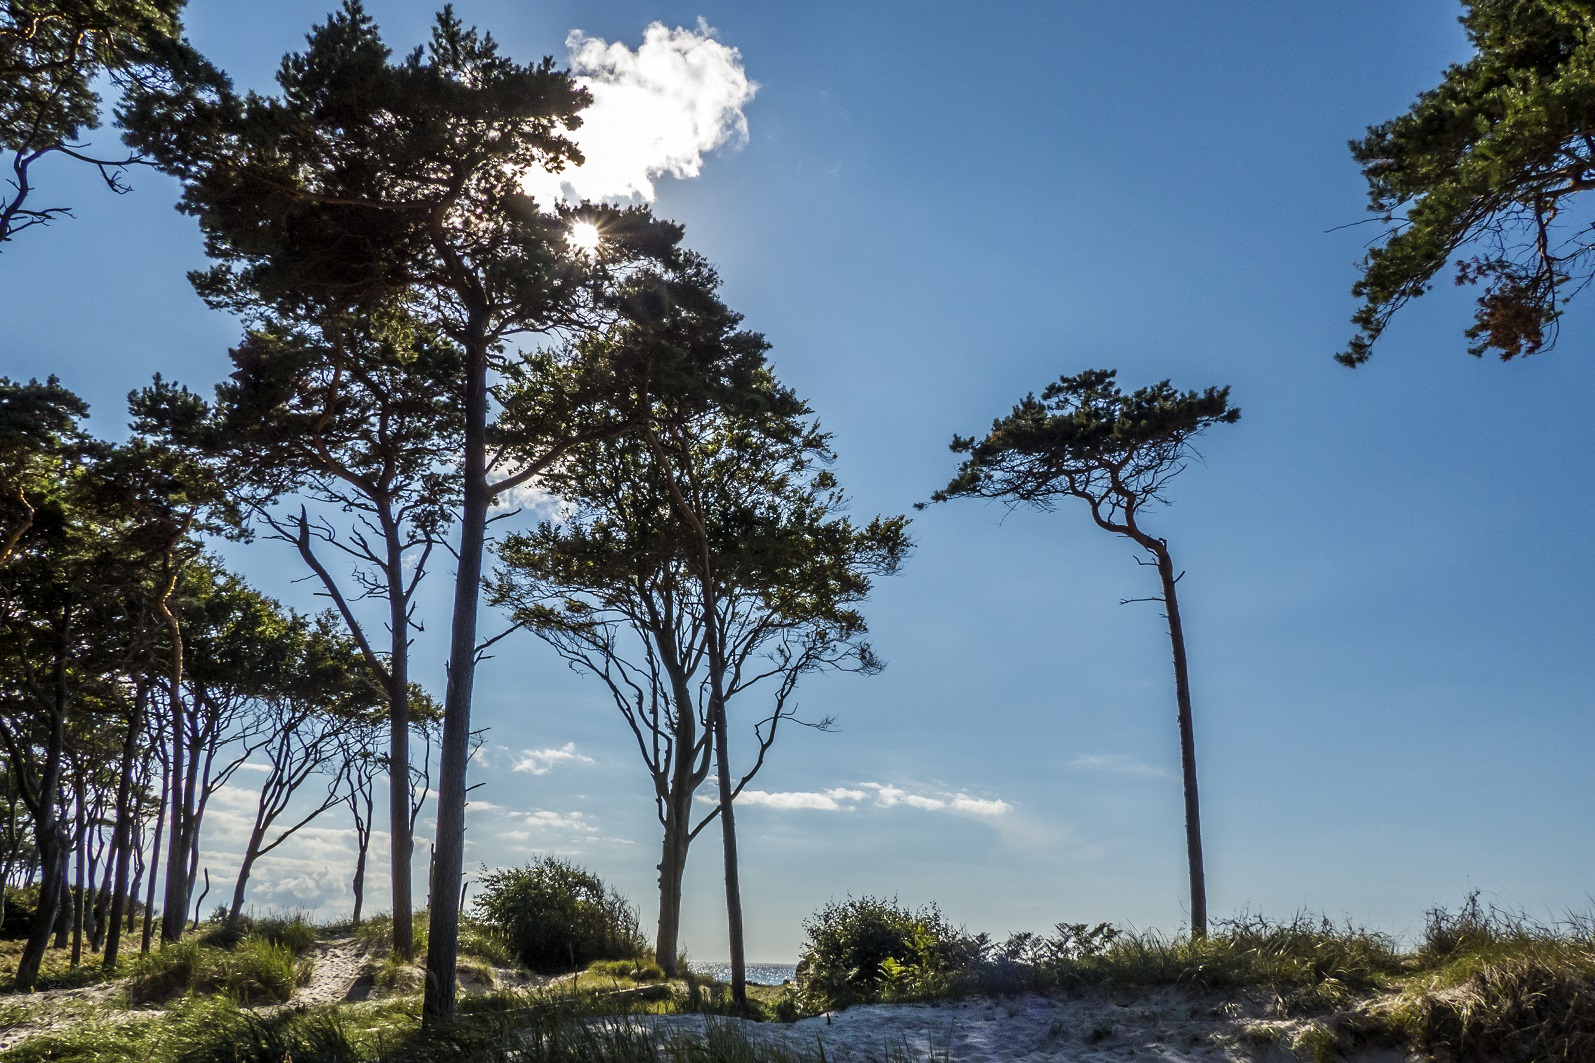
point(1492, 158)
point(327, 694)
point(1086, 439)
point(615, 590)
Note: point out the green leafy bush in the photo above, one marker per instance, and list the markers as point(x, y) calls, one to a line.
point(557, 916)
point(867, 949)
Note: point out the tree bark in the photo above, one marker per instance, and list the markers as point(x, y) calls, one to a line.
point(121, 836)
point(1182, 694)
point(175, 902)
point(401, 846)
point(153, 865)
point(448, 860)
point(672, 867)
point(47, 834)
point(728, 836)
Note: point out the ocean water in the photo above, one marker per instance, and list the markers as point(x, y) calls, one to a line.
point(758, 973)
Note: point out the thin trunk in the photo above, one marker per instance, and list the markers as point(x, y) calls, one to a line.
point(728, 835)
point(122, 836)
point(1182, 694)
point(401, 846)
point(153, 864)
point(82, 847)
point(251, 854)
point(47, 834)
point(449, 853)
point(175, 903)
point(362, 829)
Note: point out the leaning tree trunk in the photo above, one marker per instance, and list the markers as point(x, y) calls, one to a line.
point(1182, 694)
point(49, 838)
point(448, 861)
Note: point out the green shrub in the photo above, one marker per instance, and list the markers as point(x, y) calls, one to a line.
point(557, 916)
point(868, 949)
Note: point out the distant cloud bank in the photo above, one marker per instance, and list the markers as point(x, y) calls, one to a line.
point(542, 761)
point(875, 795)
point(656, 112)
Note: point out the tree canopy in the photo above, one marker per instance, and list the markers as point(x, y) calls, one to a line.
point(1486, 165)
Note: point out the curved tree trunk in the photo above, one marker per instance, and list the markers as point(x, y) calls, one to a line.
point(1182, 694)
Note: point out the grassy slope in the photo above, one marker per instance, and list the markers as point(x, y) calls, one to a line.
point(1480, 986)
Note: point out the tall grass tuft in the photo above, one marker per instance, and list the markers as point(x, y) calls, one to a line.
point(1495, 984)
point(255, 970)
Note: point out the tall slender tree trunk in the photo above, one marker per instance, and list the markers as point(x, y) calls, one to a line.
point(175, 903)
point(1182, 694)
point(122, 835)
point(49, 839)
point(80, 822)
point(401, 846)
point(153, 867)
point(448, 862)
point(728, 836)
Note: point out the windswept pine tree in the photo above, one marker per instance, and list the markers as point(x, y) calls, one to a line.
point(1086, 439)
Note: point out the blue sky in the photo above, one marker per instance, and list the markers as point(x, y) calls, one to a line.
point(938, 208)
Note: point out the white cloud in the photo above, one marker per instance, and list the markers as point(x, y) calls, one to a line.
point(542, 761)
point(825, 802)
point(1116, 764)
point(878, 795)
point(656, 111)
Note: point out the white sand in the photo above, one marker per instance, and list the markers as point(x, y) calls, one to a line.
point(1167, 1025)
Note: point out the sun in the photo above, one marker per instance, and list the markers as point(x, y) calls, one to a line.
point(583, 237)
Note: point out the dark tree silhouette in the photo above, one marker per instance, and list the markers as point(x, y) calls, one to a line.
point(1490, 159)
point(52, 53)
point(1086, 439)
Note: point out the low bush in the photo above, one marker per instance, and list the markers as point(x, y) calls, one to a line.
point(868, 949)
point(557, 916)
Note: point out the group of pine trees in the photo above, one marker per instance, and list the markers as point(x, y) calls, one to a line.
point(422, 340)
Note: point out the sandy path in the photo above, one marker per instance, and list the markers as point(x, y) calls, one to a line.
point(1168, 1026)
point(338, 963)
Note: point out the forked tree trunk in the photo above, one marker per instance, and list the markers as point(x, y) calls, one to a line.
point(1182, 695)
